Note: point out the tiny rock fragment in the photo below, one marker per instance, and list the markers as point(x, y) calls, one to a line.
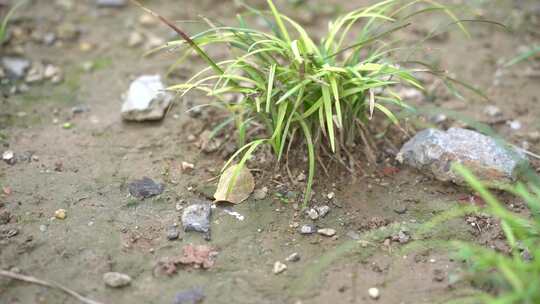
point(189, 296)
point(80, 109)
point(15, 67)
point(294, 257)
point(374, 293)
point(322, 210)
point(514, 124)
point(60, 214)
point(172, 233)
point(331, 195)
point(145, 188)
point(198, 256)
point(260, 194)
point(301, 177)
point(116, 279)
point(147, 19)
point(279, 267)
point(438, 275)
point(187, 166)
point(111, 3)
point(327, 232)
point(492, 111)
point(135, 39)
point(7, 190)
point(9, 157)
point(235, 185)
point(308, 229)
point(534, 136)
point(196, 217)
point(312, 213)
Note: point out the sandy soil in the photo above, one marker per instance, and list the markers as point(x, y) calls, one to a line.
point(85, 170)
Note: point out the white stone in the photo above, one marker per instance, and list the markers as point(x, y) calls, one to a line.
point(279, 267)
point(146, 99)
point(8, 155)
point(116, 279)
point(327, 232)
point(374, 293)
point(323, 210)
point(312, 213)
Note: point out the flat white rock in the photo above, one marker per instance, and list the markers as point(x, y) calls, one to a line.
point(116, 279)
point(146, 99)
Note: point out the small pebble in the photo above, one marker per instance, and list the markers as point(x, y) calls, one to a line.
point(260, 194)
point(172, 233)
point(514, 124)
point(323, 210)
point(135, 39)
point(327, 232)
point(374, 293)
point(492, 111)
point(9, 157)
point(279, 267)
point(187, 166)
point(60, 214)
point(312, 214)
point(308, 229)
point(116, 279)
point(295, 257)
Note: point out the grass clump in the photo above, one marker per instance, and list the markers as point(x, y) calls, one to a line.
point(501, 277)
point(317, 94)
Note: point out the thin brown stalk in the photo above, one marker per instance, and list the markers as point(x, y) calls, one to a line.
point(33, 280)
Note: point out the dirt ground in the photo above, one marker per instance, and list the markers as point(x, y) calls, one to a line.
point(85, 170)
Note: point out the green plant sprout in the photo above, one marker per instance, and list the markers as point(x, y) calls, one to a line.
point(513, 277)
point(5, 21)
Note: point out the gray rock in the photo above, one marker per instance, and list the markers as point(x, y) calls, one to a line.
point(308, 229)
point(294, 257)
point(197, 218)
point(146, 99)
point(9, 157)
point(172, 233)
point(49, 38)
point(144, 188)
point(312, 214)
point(492, 111)
point(403, 237)
point(434, 151)
point(116, 279)
point(353, 235)
point(80, 109)
point(111, 3)
point(190, 296)
point(16, 67)
point(327, 232)
point(322, 210)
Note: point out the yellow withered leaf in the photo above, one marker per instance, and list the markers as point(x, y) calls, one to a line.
point(235, 185)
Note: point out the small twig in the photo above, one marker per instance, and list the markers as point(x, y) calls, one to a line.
point(531, 154)
point(33, 280)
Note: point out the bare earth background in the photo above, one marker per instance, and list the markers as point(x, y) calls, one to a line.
point(85, 169)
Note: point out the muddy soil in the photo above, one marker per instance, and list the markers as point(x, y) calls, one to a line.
point(85, 170)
